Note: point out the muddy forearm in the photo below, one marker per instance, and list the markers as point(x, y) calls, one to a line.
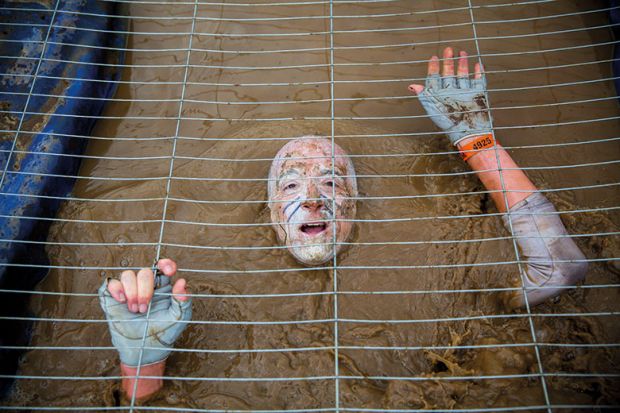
point(149, 382)
point(516, 184)
point(551, 259)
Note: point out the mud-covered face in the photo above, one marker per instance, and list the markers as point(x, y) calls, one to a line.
point(308, 198)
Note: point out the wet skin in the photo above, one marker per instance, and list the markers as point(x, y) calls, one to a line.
point(136, 291)
point(309, 198)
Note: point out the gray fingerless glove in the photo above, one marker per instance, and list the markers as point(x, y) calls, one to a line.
point(127, 328)
point(552, 259)
point(457, 106)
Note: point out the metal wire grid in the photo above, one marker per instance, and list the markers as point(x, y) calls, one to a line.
point(469, 9)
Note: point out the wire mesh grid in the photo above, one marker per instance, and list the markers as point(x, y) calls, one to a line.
point(410, 316)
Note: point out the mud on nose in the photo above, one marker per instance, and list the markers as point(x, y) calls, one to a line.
point(312, 203)
point(314, 199)
point(312, 191)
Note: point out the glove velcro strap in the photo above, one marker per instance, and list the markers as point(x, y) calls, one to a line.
point(477, 144)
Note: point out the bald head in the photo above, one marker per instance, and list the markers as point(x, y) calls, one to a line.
point(307, 147)
point(311, 183)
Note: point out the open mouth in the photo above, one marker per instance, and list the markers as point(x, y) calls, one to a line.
point(313, 228)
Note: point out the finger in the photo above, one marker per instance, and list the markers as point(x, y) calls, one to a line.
point(179, 289)
point(115, 288)
point(146, 283)
point(448, 62)
point(479, 81)
point(478, 71)
point(181, 305)
point(167, 266)
point(448, 79)
point(417, 89)
point(433, 81)
point(463, 71)
point(433, 66)
point(128, 279)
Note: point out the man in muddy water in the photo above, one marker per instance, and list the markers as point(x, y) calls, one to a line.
point(311, 201)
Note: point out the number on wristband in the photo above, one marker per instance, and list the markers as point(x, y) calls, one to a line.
point(477, 144)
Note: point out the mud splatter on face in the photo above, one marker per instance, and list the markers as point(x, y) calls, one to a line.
point(310, 194)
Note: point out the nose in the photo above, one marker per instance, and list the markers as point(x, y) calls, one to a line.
point(313, 202)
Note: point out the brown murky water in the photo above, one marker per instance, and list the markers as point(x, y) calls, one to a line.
point(221, 142)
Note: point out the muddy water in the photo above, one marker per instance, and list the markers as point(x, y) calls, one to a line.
point(217, 207)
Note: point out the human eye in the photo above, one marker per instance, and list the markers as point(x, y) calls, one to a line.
point(289, 186)
point(333, 182)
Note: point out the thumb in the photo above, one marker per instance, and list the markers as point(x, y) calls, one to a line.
point(417, 89)
point(180, 305)
point(179, 290)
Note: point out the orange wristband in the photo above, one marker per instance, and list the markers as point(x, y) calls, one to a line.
point(477, 144)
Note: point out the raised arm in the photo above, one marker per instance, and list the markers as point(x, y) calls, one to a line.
point(140, 341)
point(458, 105)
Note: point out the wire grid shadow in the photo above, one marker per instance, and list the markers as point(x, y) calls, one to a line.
point(410, 316)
